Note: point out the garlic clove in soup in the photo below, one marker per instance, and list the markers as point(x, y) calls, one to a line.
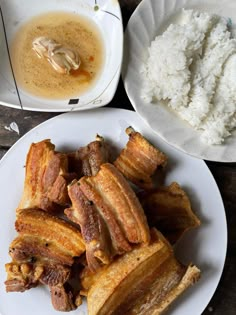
point(62, 59)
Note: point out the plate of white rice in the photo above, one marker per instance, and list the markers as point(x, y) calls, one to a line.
point(180, 73)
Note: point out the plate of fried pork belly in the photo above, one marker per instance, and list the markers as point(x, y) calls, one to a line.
point(100, 216)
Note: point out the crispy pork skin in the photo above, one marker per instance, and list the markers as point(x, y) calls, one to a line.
point(50, 229)
point(43, 252)
point(86, 161)
point(29, 248)
point(143, 281)
point(93, 156)
point(46, 178)
point(109, 213)
point(169, 210)
point(139, 160)
point(93, 227)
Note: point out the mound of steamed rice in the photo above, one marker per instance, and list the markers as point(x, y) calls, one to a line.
point(193, 66)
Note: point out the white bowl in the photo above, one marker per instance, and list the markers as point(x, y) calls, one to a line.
point(107, 16)
point(150, 19)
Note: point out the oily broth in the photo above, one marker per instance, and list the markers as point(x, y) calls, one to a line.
point(36, 76)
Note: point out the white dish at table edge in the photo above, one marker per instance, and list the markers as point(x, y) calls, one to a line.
point(204, 246)
point(106, 14)
point(149, 20)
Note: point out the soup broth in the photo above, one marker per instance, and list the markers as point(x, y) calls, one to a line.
point(36, 76)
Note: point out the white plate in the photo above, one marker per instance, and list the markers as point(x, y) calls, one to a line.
point(107, 16)
point(205, 246)
point(150, 19)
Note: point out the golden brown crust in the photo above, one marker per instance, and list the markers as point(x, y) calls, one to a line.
point(109, 214)
point(89, 278)
point(93, 227)
point(46, 248)
point(30, 248)
point(93, 156)
point(58, 191)
point(151, 305)
point(113, 195)
point(86, 161)
point(126, 206)
point(169, 210)
point(94, 195)
point(45, 243)
point(42, 225)
point(139, 160)
point(146, 279)
point(45, 168)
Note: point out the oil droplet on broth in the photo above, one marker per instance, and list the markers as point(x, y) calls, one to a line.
point(36, 76)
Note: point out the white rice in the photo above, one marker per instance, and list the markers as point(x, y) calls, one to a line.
point(193, 66)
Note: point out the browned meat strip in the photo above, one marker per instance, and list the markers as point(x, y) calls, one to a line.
point(87, 160)
point(54, 274)
point(43, 252)
point(139, 160)
point(46, 176)
point(62, 298)
point(93, 156)
point(53, 231)
point(95, 196)
point(31, 248)
point(93, 227)
point(58, 191)
point(143, 281)
point(169, 210)
point(19, 285)
point(109, 213)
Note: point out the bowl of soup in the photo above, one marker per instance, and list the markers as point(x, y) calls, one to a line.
point(59, 55)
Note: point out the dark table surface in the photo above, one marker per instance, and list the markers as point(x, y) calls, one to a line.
point(224, 299)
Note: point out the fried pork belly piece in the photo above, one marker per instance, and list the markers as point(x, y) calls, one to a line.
point(144, 281)
point(153, 302)
point(139, 160)
point(46, 178)
point(41, 233)
point(24, 276)
point(88, 278)
point(44, 252)
point(87, 160)
point(109, 214)
point(169, 210)
point(28, 248)
point(58, 193)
